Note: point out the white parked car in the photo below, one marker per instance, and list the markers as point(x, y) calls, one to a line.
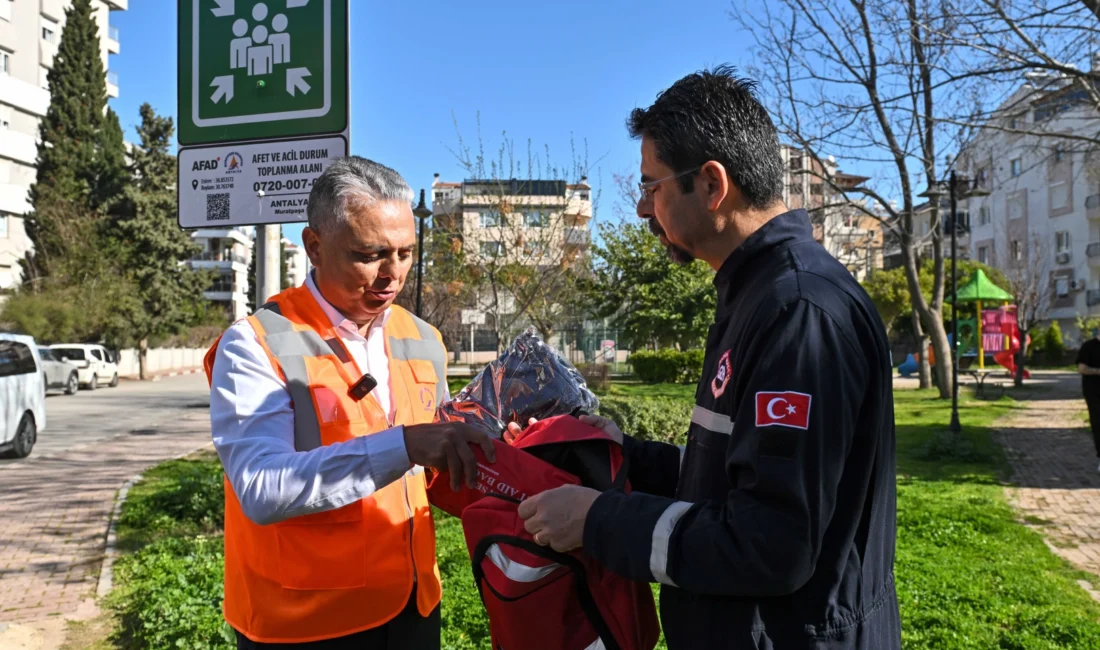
point(22, 395)
point(58, 373)
point(94, 364)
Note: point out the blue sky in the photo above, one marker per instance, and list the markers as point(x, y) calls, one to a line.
point(541, 71)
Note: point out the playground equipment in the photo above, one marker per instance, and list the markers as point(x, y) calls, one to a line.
point(992, 331)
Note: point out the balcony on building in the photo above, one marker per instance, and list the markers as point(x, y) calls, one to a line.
point(577, 237)
point(118, 5)
point(112, 83)
point(113, 45)
point(1092, 251)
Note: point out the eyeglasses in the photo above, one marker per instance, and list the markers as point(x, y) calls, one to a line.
point(646, 189)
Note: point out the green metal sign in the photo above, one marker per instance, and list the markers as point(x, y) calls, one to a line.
point(250, 70)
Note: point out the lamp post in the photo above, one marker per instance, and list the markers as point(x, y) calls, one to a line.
point(935, 193)
point(422, 213)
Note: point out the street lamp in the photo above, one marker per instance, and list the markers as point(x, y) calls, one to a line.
point(935, 193)
point(422, 213)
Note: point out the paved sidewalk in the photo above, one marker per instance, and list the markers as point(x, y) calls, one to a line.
point(1057, 486)
point(55, 512)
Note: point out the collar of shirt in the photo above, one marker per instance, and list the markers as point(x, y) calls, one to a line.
point(334, 315)
point(780, 232)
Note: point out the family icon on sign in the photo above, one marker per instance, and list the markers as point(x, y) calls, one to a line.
point(261, 50)
point(258, 47)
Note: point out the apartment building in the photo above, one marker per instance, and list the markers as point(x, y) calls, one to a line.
point(532, 222)
point(848, 233)
point(30, 32)
point(297, 263)
point(1042, 211)
point(228, 252)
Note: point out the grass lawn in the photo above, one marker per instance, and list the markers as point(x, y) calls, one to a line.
point(969, 574)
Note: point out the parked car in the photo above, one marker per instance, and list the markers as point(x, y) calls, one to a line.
point(22, 395)
point(57, 373)
point(94, 364)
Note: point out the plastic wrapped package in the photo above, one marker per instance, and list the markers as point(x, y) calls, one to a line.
point(529, 380)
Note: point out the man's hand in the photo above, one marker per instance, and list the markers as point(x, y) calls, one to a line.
point(603, 424)
point(446, 446)
point(556, 517)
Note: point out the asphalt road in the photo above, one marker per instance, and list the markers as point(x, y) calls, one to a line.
point(133, 407)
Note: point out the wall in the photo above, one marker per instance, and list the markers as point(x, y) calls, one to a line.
point(160, 360)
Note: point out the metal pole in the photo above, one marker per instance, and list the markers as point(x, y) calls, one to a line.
point(419, 265)
point(954, 427)
point(267, 262)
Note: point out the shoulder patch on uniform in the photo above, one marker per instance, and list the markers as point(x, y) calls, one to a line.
point(721, 375)
point(786, 408)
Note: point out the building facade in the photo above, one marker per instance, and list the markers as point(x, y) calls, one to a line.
point(227, 252)
point(30, 32)
point(1042, 211)
point(297, 263)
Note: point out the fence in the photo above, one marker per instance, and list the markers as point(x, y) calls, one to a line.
point(476, 347)
point(160, 360)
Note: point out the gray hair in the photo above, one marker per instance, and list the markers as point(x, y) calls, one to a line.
point(352, 180)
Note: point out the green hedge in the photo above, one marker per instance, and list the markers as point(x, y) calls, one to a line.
point(661, 419)
point(668, 366)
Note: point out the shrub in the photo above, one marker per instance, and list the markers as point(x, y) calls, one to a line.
point(668, 366)
point(181, 498)
point(170, 596)
point(661, 419)
point(1054, 348)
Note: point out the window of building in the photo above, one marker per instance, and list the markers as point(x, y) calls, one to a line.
point(584, 195)
point(1061, 287)
point(1061, 241)
point(5, 56)
point(1015, 207)
point(4, 225)
point(1017, 250)
point(489, 218)
point(536, 248)
point(43, 78)
point(1015, 167)
point(1014, 123)
point(49, 30)
point(796, 163)
point(492, 248)
point(1059, 153)
point(1059, 195)
point(5, 9)
point(536, 218)
point(985, 216)
point(983, 254)
point(796, 188)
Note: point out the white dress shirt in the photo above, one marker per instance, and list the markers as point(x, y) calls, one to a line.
point(252, 422)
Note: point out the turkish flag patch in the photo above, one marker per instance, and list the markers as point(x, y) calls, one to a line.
point(788, 409)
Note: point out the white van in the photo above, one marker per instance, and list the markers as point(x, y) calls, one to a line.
point(94, 364)
point(22, 395)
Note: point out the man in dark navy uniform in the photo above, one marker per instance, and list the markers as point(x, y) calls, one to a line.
point(775, 526)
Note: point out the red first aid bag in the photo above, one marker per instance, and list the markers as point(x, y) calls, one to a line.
point(538, 598)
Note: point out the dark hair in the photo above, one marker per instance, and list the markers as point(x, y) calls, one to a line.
point(714, 115)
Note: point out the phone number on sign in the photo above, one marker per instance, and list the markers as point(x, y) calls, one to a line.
point(277, 186)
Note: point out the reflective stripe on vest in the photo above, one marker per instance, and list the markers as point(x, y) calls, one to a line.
point(428, 348)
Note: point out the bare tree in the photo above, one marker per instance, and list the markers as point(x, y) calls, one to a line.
point(524, 235)
point(864, 83)
point(1032, 286)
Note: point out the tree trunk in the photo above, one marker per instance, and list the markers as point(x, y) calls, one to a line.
point(143, 350)
point(930, 319)
point(938, 333)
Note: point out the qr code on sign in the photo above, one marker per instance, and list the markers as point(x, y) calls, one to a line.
point(217, 207)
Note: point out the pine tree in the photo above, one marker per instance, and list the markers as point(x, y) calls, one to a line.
point(80, 166)
point(167, 296)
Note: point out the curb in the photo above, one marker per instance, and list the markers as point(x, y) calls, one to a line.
point(175, 373)
point(110, 552)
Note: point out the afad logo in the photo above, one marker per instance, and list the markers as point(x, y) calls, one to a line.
point(234, 163)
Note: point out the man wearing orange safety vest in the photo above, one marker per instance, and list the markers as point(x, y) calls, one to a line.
point(321, 406)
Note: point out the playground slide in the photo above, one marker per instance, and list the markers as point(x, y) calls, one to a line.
point(1007, 359)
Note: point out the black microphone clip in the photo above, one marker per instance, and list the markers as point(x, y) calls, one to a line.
point(363, 387)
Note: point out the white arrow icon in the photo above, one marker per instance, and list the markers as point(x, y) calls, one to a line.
point(225, 88)
point(294, 4)
point(225, 8)
point(296, 80)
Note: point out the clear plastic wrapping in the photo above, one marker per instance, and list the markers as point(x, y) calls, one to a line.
point(529, 380)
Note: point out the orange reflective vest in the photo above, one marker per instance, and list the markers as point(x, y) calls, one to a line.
point(334, 573)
